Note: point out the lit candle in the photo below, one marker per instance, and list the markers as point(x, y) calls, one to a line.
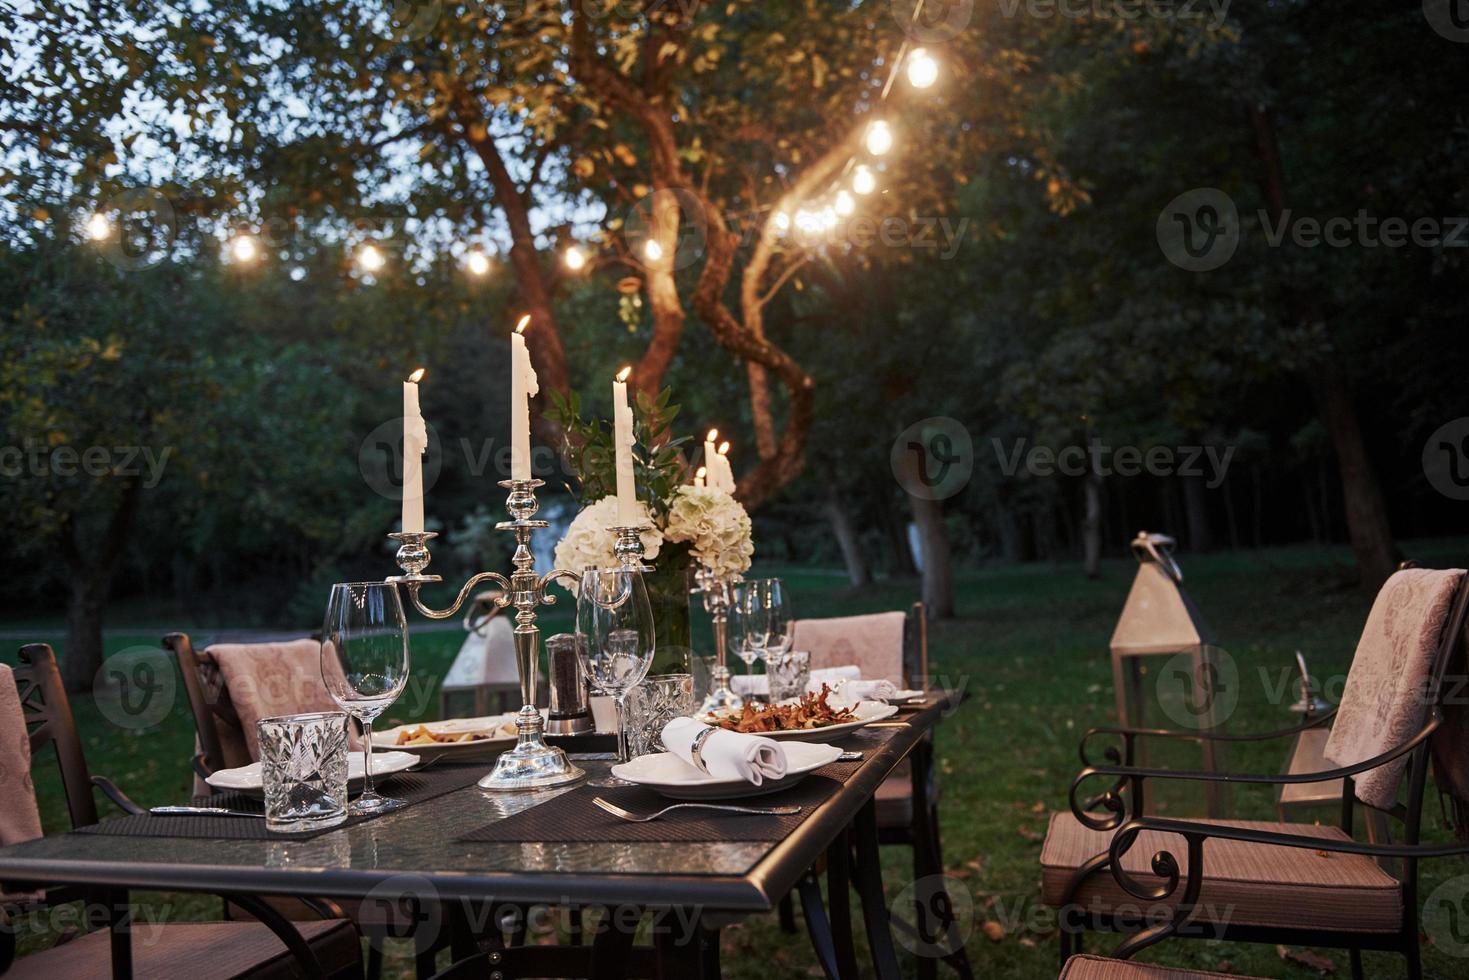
point(415, 443)
point(700, 475)
point(711, 468)
point(522, 387)
point(726, 475)
point(627, 495)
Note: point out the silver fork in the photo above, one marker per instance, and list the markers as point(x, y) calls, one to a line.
point(619, 812)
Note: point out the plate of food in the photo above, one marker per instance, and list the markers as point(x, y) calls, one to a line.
point(809, 718)
point(452, 738)
point(247, 779)
point(667, 774)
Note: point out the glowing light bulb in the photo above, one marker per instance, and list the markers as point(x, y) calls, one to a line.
point(807, 222)
point(828, 218)
point(479, 263)
point(923, 70)
point(575, 259)
point(845, 204)
point(244, 248)
point(98, 227)
point(782, 221)
point(652, 250)
point(371, 259)
point(863, 180)
point(879, 138)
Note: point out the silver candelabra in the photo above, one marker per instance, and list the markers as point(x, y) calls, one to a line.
point(531, 764)
point(716, 592)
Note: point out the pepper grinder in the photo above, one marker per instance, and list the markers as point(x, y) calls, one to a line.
point(570, 712)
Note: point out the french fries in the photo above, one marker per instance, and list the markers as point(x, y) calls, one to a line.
point(423, 735)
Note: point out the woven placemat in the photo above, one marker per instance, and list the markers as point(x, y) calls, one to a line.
point(571, 817)
point(412, 787)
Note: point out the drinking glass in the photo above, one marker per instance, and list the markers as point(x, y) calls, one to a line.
point(364, 662)
point(764, 611)
point(613, 613)
point(789, 674)
point(303, 770)
point(751, 623)
point(655, 702)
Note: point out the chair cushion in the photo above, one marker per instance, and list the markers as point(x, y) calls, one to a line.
point(269, 679)
point(872, 642)
point(200, 951)
point(894, 799)
point(1101, 968)
point(1382, 705)
point(1249, 884)
point(20, 820)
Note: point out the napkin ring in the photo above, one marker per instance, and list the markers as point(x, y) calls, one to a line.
point(696, 751)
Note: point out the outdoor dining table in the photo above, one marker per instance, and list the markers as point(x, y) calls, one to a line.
point(418, 855)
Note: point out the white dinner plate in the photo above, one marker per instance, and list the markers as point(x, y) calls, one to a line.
point(246, 779)
point(867, 712)
point(387, 739)
point(669, 775)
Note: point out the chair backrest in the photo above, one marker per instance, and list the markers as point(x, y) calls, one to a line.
point(217, 725)
point(49, 721)
point(1387, 697)
point(890, 645)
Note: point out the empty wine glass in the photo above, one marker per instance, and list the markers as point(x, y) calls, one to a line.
point(614, 614)
point(364, 662)
point(763, 610)
point(751, 624)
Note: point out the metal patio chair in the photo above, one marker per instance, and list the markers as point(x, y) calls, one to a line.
point(271, 946)
point(1279, 882)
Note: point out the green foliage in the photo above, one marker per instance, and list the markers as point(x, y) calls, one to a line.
point(588, 449)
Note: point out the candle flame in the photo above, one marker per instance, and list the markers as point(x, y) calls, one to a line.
point(724, 447)
point(701, 472)
point(622, 375)
point(416, 376)
point(713, 434)
point(524, 322)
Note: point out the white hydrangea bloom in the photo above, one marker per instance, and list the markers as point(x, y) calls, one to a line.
point(589, 543)
point(716, 527)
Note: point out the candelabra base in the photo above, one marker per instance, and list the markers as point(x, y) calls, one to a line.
point(531, 764)
point(721, 697)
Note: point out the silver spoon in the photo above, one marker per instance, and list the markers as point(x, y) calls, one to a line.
point(619, 812)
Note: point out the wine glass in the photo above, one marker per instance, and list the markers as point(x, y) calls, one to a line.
point(765, 615)
point(614, 614)
point(364, 662)
point(751, 623)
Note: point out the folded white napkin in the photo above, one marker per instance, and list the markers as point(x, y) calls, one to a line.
point(857, 690)
point(727, 755)
point(760, 683)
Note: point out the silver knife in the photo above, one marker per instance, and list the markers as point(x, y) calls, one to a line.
point(200, 811)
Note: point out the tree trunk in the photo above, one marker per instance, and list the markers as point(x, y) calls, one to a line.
point(933, 540)
point(760, 412)
point(84, 608)
point(846, 534)
point(1092, 527)
point(1196, 512)
point(897, 532)
point(1367, 525)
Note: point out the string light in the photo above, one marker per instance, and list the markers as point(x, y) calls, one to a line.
point(371, 259)
point(478, 263)
point(652, 250)
point(845, 204)
point(863, 180)
point(782, 221)
point(879, 138)
point(828, 218)
point(98, 227)
point(923, 70)
point(575, 259)
point(244, 248)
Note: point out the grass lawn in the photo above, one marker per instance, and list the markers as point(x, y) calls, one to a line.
point(1030, 647)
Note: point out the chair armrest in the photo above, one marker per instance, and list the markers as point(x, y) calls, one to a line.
point(201, 766)
point(1128, 735)
point(1134, 778)
point(116, 795)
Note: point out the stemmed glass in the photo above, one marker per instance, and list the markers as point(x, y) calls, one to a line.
point(752, 624)
point(614, 614)
point(364, 662)
point(764, 611)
